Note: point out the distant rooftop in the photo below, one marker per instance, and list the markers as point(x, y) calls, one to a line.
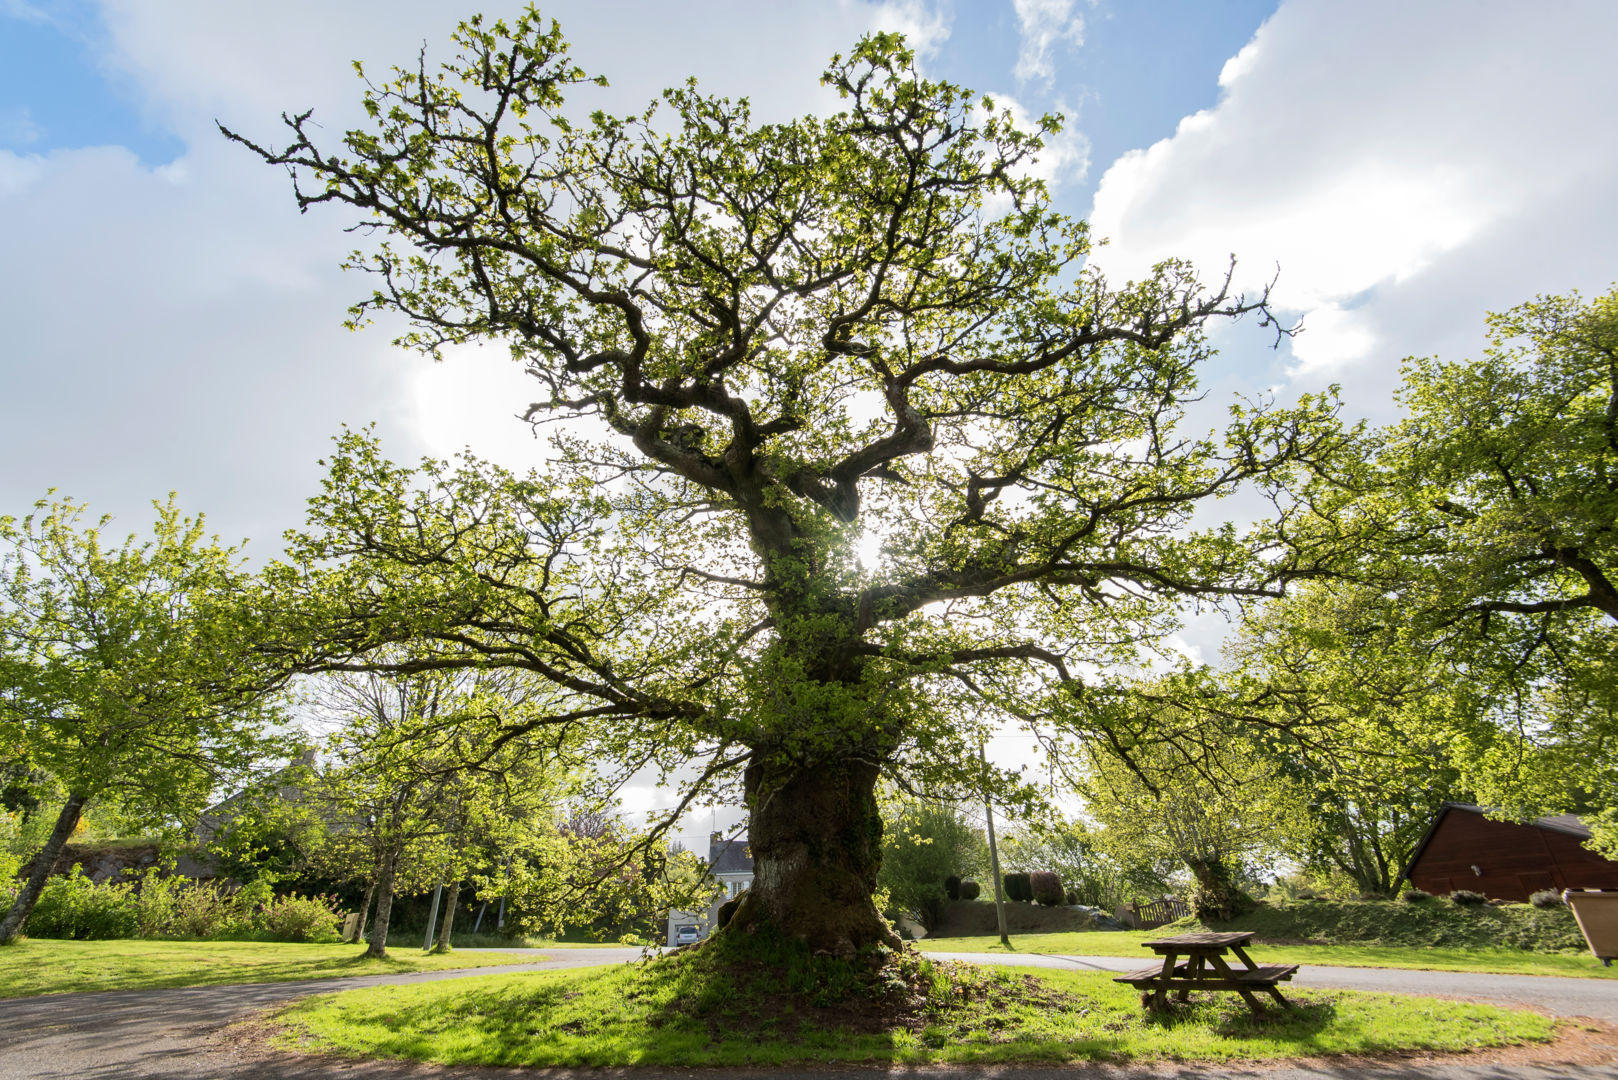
point(729, 856)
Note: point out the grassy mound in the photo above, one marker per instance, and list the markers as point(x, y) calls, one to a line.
point(1434, 923)
point(765, 1003)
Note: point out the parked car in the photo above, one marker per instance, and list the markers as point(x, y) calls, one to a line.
point(688, 934)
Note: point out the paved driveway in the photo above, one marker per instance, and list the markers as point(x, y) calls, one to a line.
point(183, 1034)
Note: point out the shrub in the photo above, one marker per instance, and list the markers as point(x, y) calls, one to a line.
point(952, 886)
point(205, 910)
point(1467, 898)
point(1017, 887)
point(1546, 898)
point(1415, 896)
point(73, 906)
point(970, 890)
point(302, 918)
point(1046, 887)
point(156, 899)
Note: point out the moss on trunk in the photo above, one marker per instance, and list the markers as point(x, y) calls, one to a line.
point(816, 838)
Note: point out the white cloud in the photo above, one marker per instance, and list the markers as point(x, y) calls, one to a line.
point(1411, 150)
point(1065, 159)
point(19, 172)
point(179, 327)
point(925, 26)
point(1044, 25)
point(1333, 339)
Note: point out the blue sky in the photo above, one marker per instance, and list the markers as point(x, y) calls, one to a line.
point(174, 324)
point(1138, 69)
point(54, 95)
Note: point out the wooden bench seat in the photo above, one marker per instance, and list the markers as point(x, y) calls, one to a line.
point(1267, 974)
point(1150, 974)
point(1152, 977)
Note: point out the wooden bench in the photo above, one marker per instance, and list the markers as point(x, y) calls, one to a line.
point(1204, 968)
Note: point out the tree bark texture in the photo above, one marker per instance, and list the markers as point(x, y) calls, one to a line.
point(378, 941)
point(452, 890)
point(365, 908)
point(816, 838)
point(44, 863)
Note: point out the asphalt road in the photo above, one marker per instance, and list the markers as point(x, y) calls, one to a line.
point(185, 1034)
point(1594, 998)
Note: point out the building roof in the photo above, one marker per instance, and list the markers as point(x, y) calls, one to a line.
point(1570, 824)
point(729, 856)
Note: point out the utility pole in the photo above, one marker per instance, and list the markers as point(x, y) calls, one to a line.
point(994, 851)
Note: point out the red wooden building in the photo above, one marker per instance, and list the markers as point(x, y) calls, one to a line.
point(1504, 860)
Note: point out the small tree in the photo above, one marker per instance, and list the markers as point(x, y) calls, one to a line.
point(924, 843)
point(1070, 848)
point(1204, 796)
point(127, 671)
point(421, 791)
point(1374, 730)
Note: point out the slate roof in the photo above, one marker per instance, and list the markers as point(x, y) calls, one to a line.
point(729, 856)
point(1564, 823)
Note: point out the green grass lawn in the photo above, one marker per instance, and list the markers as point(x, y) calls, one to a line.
point(41, 966)
point(1128, 943)
point(671, 1013)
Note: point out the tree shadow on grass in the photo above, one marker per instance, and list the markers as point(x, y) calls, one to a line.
point(1304, 1021)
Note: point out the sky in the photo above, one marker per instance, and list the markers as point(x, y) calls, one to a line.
point(172, 323)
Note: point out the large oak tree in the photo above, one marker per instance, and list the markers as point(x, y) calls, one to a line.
point(782, 344)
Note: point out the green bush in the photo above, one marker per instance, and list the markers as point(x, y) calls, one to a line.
point(302, 918)
point(1546, 898)
point(73, 906)
point(952, 886)
point(1017, 887)
point(205, 910)
point(1467, 898)
point(970, 890)
point(1415, 896)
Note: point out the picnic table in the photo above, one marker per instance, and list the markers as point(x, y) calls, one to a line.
point(1203, 967)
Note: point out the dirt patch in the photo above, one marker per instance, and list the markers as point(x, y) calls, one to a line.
point(1578, 1042)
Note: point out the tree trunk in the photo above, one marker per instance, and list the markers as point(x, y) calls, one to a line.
point(816, 839)
point(365, 908)
point(1216, 895)
point(384, 908)
point(453, 888)
point(44, 863)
